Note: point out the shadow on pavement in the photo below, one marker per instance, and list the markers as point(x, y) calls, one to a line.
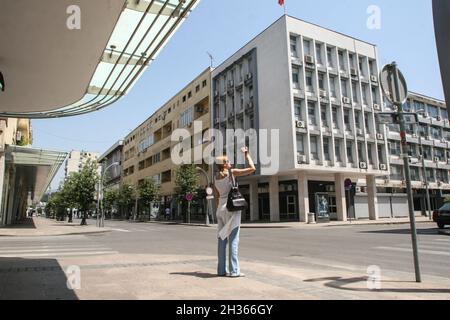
point(27, 223)
point(33, 279)
point(196, 274)
point(340, 283)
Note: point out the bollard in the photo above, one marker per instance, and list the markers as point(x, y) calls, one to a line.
point(311, 218)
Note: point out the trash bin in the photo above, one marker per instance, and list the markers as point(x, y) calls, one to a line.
point(311, 218)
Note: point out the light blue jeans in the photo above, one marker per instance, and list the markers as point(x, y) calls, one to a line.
point(233, 240)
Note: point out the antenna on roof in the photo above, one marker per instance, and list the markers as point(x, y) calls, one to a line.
point(211, 58)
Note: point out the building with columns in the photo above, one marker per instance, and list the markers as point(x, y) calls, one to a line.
point(320, 89)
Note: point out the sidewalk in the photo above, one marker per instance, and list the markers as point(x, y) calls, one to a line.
point(39, 226)
point(300, 225)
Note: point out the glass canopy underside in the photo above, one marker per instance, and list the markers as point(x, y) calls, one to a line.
point(142, 31)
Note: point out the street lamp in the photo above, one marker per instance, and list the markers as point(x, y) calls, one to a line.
point(208, 196)
point(101, 221)
point(425, 178)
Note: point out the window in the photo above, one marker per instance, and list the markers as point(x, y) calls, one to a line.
point(344, 88)
point(323, 115)
point(347, 120)
point(427, 153)
point(321, 81)
point(294, 46)
point(204, 84)
point(184, 98)
point(326, 149)
point(300, 144)
point(444, 114)
point(375, 95)
point(341, 60)
point(430, 175)
point(380, 154)
point(309, 81)
point(366, 122)
point(296, 77)
point(312, 113)
point(433, 111)
point(355, 92)
point(369, 152)
point(337, 151)
point(329, 57)
point(187, 117)
point(319, 53)
point(439, 153)
point(197, 88)
point(436, 133)
point(442, 175)
point(307, 47)
point(335, 118)
point(394, 148)
point(364, 93)
point(314, 148)
point(361, 155)
point(157, 158)
point(189, 94)
point(350, 152)
point(333, 86)
point(396, 172)
point(298, 109)
point(361, 66)
point(358, 119)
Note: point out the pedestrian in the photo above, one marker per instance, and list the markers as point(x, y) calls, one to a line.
point(228, 222)
point(168, 213)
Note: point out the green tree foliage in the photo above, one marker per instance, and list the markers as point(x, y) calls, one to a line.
point(111, 199)
point(126, 197)
point(148, 192)
point(186, 181)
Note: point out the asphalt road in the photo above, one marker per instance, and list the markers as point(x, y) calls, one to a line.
point(386, 246)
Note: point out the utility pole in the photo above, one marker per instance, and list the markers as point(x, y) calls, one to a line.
point(425, 178)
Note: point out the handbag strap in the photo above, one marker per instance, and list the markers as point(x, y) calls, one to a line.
point(233, 181)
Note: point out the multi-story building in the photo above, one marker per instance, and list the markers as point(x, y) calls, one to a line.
point(111, 161)
point(433, 132)
point(320, 89)
point(147, 149)
point(76, 161)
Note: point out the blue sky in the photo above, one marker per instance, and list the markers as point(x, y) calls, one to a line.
point(222, 27)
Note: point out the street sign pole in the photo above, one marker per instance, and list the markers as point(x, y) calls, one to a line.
point(397, 102)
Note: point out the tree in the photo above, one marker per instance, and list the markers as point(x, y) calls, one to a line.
point(126, 197)
point(148, 192)
point(111, 199)
point(83, 187)
point(186, 181)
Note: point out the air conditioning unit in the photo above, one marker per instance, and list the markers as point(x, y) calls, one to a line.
point(363, 165)
point(444, 140)
point(436, 159)
point(217, 121)
point(439, 118)
point(395, 108)
point(353, 72)
point(309, 59)
point(230, 83)
point(376, 107)
point(248, 76)
point(439, 183)
point(380, 136)
point(383, 167)
point(301, 159)
point(360, 132)
point(216, 93)
point(300, 124)
point(425, 115)
point(374, 78)
point(346, 100)
point(414, 136)
point(323, 93)
point(358, 189)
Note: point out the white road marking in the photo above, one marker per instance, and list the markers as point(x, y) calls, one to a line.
point(431, 252)
point(54, 250)
point(120, 230)
point(63, 254)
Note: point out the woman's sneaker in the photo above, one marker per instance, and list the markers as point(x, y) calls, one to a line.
point(241, 275)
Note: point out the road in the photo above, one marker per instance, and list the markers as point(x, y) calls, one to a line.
point(345, 247)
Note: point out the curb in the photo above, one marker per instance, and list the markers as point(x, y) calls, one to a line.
point(444, 232)
point(373, 224)
point(183, 224)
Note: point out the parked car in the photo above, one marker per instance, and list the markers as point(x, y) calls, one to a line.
point(442, 216)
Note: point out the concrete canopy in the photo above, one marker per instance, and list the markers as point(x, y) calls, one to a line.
point(51, 70)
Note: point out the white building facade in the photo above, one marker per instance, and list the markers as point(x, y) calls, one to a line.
point(320, 89)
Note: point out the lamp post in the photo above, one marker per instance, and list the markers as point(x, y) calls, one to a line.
point(209, 206)
point(101, 221)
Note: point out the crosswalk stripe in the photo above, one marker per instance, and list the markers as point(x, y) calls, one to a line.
point(442, 240)
point(53, 250)
point(51, 247)
point(431, 252)
point(120, 230)
point(62, 254)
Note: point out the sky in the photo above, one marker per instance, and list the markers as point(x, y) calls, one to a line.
point(221, 27)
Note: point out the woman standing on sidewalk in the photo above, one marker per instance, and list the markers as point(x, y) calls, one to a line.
point(228, 222)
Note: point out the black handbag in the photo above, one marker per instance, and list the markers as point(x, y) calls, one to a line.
point(236, 202)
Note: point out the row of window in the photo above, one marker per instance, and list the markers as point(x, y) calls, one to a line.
point(429, 153)
point(423, 130)
point(433, 175)
point(432, 111)
point(315, 145)
point(332, 84)
point(335, 57)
